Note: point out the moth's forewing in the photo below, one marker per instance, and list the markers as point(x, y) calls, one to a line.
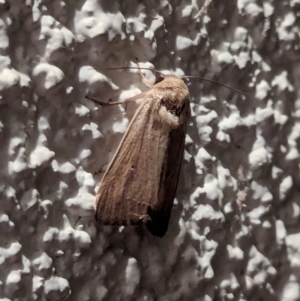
point(140, 184)
point(131, 182)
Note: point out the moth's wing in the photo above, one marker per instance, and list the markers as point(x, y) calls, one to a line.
point(131, 183)
point(161, 211)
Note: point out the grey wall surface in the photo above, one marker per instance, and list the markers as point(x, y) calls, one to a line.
point(234, 229)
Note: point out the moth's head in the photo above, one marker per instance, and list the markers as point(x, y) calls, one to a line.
point(170, 82)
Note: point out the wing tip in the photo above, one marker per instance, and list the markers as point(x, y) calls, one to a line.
point(155, 230)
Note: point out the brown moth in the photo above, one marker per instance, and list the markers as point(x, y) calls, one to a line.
point(140, 183)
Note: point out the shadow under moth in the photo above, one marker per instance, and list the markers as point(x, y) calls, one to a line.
point(140, 183)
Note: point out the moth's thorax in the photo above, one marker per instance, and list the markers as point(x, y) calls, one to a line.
point(172, 88)
point(172, 95)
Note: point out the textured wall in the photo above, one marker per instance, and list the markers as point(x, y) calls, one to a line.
point(234, 230)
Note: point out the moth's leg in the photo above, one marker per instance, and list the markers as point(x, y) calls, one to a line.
point(137, 219)
point(102, 103)
point(144, 218)
point(144, 78)
point(107, 104)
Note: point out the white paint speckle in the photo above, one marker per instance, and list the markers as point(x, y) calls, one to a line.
point(56, 286)
point(47, 76)
point(282, 82)
point(259, 157)
point(285, 186)
point(40, 156)
point(225, 57)
point(262, 89)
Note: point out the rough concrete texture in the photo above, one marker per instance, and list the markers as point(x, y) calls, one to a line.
point(234, 229)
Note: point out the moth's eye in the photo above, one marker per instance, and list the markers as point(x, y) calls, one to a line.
point(159, 79)
point(170, 105)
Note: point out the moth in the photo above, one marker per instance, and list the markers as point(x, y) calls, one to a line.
point(140, 183)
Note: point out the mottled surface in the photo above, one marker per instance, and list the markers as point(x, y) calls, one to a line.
point(234, 230)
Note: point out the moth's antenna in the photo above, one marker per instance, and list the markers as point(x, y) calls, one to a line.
point(138, 68)
point(215, 82)
point(187, 76)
